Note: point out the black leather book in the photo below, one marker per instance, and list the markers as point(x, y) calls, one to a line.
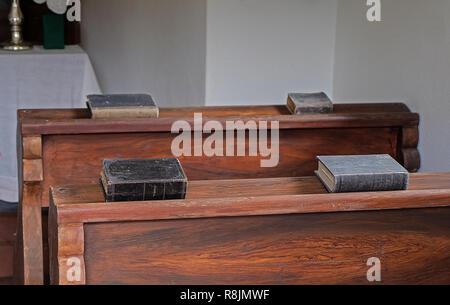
point(143, 179)
point(121, 106)
point(309, 103)
point(366, 173)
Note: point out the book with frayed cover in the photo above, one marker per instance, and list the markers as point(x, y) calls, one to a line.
point(143, 179)
point(309, 103)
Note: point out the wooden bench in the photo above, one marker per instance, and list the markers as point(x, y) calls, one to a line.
point(257, 231)
point(8, 219)
point(62, 147)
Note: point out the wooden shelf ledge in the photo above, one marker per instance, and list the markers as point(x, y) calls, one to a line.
point(85, 203)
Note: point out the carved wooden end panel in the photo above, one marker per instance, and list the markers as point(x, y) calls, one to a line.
point(32, 147)
point(28, 266)
point(410, 156)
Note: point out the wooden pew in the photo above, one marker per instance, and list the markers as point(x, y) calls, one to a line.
point(63, 147)
point(250, 235)
point(7, 230)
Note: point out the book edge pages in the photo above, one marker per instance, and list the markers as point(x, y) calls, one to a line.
point(125, 112)
point(105, 195)
point(328, 176)
point(290, 105)
point(323, 182)
point(104, 182)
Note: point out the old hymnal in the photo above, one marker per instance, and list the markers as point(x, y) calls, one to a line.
point(366, 173)
point(143, 179)
point(309, 103)
point(121, 106)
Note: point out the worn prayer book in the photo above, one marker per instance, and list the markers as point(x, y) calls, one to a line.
point(309, 103)
point(121, 106)
point(367, 173)
point(143, 179)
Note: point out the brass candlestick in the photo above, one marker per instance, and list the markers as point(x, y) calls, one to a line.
point(15, 18)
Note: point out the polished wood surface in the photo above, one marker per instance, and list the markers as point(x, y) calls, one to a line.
point(78, 157)
point(165, 124)
point(92, 193)
point(63, 147)
point(214, 111)
point(251, 237)
point(241, 197)
point(413, 247)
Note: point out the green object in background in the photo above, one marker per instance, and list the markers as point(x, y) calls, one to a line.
point(53, 31)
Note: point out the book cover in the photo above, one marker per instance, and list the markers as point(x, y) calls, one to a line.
point(364, 173)
point(122, 106)
point(309, 103)
point(143, 179)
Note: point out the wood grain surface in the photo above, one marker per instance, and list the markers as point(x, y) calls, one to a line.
point(244, 204)
point(92, 193)
point(213, 111)
point(246, 237)
point(413, 246)
point(73, 159)
point(64, 146)
point(356, 115)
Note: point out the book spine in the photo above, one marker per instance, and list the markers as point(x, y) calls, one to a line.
point(372, 183)
point(148, 191)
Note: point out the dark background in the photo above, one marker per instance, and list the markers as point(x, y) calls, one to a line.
point(32, 26)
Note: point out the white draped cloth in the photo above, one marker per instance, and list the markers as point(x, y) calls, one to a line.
point(37, 79)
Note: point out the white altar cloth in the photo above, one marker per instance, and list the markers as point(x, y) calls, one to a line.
point(37, 79)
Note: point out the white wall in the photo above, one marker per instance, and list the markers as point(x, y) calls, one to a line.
point(256, 51)
point(260, 50)
point(149, 46)
point(405, 57)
